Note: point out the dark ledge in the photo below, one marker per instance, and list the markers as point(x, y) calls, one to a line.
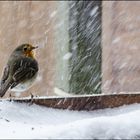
point(91, 102)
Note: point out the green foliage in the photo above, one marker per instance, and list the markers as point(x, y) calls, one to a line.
point(85, 63)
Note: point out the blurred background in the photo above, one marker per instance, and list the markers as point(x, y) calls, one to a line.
point(85, 47)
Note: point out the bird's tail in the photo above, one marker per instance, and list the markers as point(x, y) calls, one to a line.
point(4, 87)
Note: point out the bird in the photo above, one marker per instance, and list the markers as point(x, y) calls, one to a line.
point(21, 70)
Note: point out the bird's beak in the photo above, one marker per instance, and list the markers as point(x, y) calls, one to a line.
point(34, 47)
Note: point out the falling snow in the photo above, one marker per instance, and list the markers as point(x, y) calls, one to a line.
point(67, 56)
point(93, 12)
point(77, 68)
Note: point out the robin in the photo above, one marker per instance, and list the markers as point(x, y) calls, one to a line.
point(20, 71)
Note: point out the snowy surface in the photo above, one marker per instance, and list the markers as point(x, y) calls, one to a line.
point(31, 121)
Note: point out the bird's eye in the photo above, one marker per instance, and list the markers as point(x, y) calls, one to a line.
point(25, 49)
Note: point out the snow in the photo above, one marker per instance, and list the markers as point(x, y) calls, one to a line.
point(92, 13)
point(67, 56)
point(60, 92)
point(33, 122)
point(116, 40)
point(53, 14)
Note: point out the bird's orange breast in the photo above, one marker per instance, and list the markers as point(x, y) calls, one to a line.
point(30, 54)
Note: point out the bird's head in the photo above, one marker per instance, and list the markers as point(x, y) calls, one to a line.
point(25, 49)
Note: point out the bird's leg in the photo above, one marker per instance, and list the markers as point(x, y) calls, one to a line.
point(32, 96)
point(10, 96)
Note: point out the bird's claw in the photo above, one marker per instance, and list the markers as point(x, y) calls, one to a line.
point(32, 96)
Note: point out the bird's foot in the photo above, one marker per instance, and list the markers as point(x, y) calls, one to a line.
point(32, 96)
point(11, 97)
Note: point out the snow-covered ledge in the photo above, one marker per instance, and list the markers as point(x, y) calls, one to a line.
point(83, 102)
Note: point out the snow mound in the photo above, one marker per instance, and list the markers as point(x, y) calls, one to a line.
point(24, 121)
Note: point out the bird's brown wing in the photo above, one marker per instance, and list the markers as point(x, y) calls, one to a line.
point(23, 70)
point(5, 75)
point(5, 83)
